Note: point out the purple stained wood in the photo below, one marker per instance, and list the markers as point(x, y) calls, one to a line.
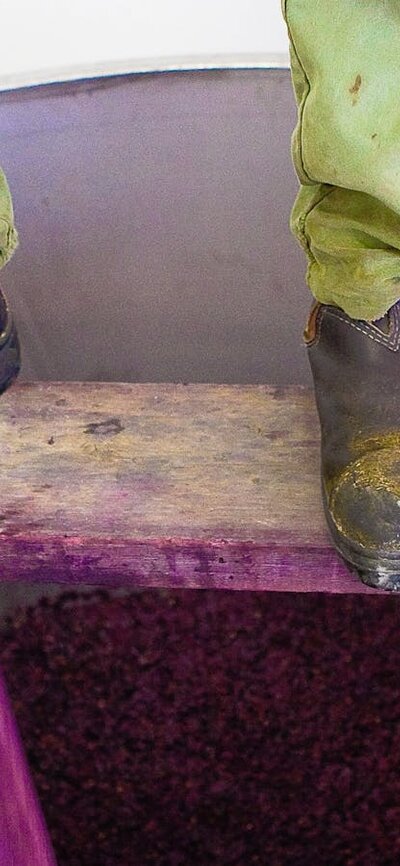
point(165, 485)
point(24, 839)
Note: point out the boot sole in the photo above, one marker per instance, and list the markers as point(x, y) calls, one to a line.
point(376, 569)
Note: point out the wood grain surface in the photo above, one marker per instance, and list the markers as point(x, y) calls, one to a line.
point(165, 485)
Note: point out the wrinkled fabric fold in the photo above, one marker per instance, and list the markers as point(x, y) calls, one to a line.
point(8, 232)
point(345, 65)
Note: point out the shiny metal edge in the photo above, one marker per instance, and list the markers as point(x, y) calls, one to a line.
point(32, 78)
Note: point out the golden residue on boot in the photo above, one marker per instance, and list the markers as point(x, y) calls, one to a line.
point(376, 472)
point(362, 444)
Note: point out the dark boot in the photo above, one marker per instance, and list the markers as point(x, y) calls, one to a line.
point(10, 356)
point(356, 370)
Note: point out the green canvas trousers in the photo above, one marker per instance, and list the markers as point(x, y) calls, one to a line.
point(345, 63)
point(8, 232)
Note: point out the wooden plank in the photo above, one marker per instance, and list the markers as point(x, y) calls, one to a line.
point(23, 835)
point(165, 485)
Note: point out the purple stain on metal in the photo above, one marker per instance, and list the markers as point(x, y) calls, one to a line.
point(24, 840)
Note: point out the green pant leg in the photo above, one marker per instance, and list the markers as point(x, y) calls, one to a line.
point(345, 61)
point(8, 232)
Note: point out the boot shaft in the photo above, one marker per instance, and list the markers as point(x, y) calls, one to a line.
point(10, 353)
point(356, 371)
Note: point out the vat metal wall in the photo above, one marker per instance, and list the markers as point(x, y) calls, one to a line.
point(153, 214)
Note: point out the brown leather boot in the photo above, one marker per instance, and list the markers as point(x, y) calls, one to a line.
point(356, 370)
point(10, 354)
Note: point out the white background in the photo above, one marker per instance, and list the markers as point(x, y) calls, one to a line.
point(47, 40)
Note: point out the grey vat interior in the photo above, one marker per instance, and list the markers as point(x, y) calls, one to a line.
point(153, 214)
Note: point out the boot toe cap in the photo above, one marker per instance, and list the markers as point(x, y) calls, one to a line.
point(364, 502)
